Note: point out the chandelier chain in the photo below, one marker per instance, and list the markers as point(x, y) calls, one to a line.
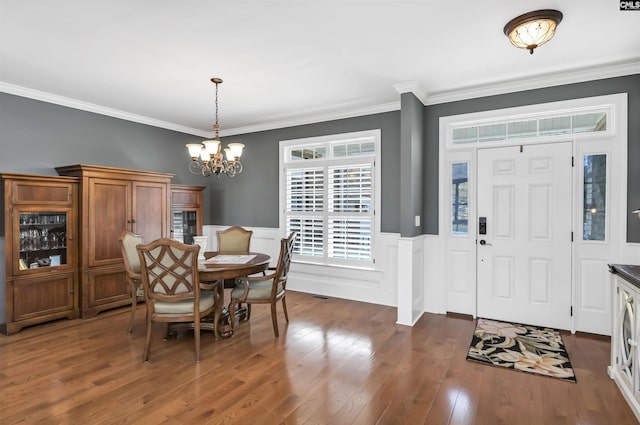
point(216, 103)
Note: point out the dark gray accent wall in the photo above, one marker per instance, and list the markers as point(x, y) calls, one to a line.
point(627, 84)
point(251, 198)
point(411, 141)
point(36, 137)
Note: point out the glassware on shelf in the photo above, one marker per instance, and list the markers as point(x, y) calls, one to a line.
point(42, 239)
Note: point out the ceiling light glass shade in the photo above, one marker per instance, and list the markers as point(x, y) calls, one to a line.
point(211, 146)
point(533, 29)
point(194, 150)
point(236, 149)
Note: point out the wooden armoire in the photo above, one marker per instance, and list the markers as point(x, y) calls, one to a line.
point(112, 200)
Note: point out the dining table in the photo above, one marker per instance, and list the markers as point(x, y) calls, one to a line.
point(218, 266)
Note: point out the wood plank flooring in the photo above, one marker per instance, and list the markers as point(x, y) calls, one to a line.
point(337, 362)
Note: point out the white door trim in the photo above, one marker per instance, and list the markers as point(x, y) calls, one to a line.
point(614, 138)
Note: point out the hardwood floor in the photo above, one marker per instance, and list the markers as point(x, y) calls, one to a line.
point(337, 362)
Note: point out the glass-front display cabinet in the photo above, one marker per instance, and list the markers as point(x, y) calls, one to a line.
point(42, 239)
point(186, 212)
point(184, 225)
point(40, 250)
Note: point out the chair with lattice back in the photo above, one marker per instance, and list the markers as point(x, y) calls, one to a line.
point(171, 285)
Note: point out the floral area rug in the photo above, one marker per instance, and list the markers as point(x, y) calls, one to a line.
point(521, 347)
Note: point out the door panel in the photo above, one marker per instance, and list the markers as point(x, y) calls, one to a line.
point(150, 210)
point(524, 260)
point(109, 209)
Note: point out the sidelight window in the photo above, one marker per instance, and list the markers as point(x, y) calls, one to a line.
point(594, 197)
point(460, 198)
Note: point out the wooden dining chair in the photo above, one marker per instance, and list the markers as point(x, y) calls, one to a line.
point(171, 285)
point(266, 289)
point(128, 241)
point(234, 240)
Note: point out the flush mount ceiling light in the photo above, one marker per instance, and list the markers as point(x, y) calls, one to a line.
point(533, 29)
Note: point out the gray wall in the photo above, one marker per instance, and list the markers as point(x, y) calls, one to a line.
point(412, 141)
point(252, 197)
point(628, 84)
point(36, 137)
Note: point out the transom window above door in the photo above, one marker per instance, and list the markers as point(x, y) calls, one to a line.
point(512, 128)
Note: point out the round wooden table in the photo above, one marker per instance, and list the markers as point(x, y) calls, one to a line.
point(210, 272)
point(213, 274)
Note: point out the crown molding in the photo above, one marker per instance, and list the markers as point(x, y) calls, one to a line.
point(549, 80)
point(141, 119)
point(411, 87)
point(98, 109)
point(369, 110)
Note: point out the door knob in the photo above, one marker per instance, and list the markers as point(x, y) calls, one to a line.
point(483, 242)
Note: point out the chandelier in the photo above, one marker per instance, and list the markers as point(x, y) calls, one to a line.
point(207, 157)
point(533, 29)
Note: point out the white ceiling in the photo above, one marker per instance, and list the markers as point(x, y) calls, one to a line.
point(293, 61)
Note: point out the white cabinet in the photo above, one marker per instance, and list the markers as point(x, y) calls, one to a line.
point(625, 336)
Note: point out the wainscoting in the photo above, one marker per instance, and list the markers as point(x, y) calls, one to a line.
point(377, 286)
point(409, 274)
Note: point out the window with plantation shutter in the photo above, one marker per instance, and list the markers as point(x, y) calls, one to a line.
point(349, 216)
point(329, 198)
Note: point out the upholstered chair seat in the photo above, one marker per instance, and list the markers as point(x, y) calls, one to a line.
point(260, 290)
point(185, 306)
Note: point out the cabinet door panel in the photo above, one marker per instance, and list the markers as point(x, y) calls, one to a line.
point(109, 208)
point(42, 193)
point(185, 197)
point(105, 286)
point(150, 210)
point(41, 296)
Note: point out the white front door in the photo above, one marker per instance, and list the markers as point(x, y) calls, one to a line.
point(524, 259)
